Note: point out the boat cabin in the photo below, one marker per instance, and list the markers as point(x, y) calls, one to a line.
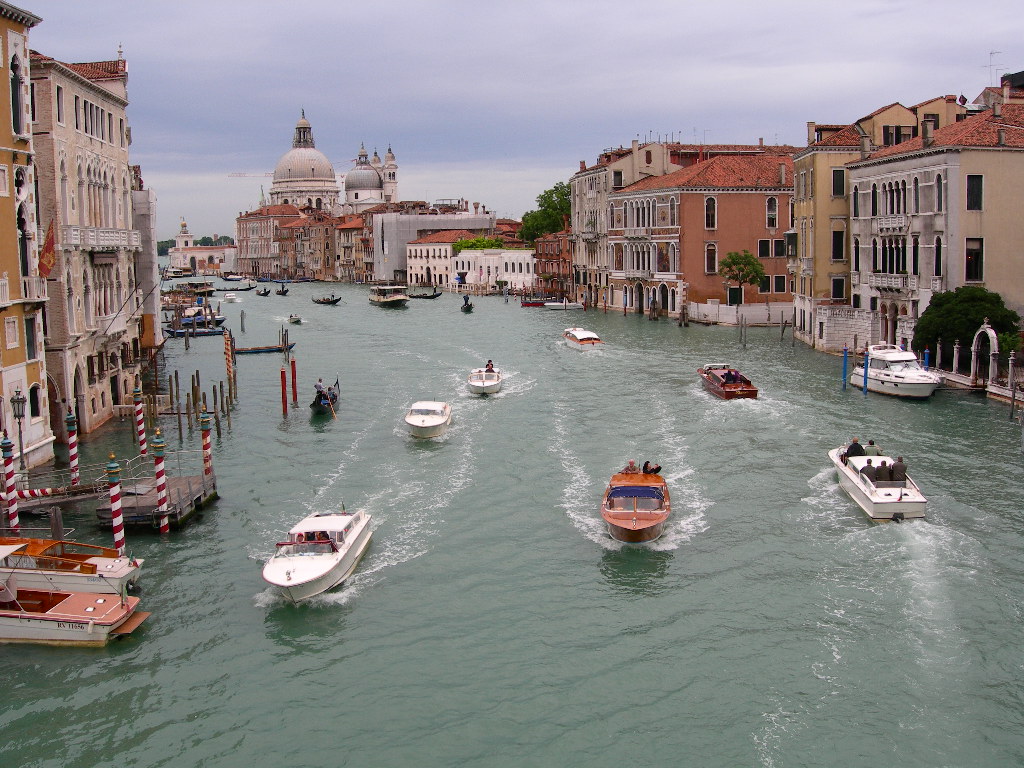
point(633, 498)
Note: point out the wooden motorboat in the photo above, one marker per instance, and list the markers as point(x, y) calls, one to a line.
point(325, 400)
point(882, 500)
point(263, 292)
point(282, 291)
point(581, 338)
point(55, 564)
point(428, 418)
point(535, 301)
point(895, 371)
point(295, 319)
point(391, 296)
point(636, 506)
point(321, 551)
point(57, 617)
point(433, 295)
point(484, 382)
point(332, 300)
point(262, 350)
point(726, 382)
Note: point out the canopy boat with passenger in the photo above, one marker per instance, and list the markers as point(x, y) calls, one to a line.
point(726, 382)
point(636, 506)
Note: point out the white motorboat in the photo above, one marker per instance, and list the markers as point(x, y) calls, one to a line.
point(230, 298)
point(50, 617)
point(484, 382)
point(67, 566)
point(295, 319)
point(894, 371)
point(428, 418)
point(322, 551)
point(581, 338)
point(394, 296)
point(563, 304)
point(883, 499)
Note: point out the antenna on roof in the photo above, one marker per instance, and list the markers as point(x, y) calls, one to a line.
point(991, 66)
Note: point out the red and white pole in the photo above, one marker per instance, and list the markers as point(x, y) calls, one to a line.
point(161, 482)
point(204, 424)
point(140, 422)
point(72, 424)
point(10, 491)
point(116, 518)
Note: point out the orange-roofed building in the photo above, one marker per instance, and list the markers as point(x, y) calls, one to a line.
point(257, 238)
point(429, 258)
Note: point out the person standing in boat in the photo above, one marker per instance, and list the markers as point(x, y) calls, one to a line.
point(854, 449)
point(319, 386)
point(465, 300)
point(871, 449)
point(489, 368)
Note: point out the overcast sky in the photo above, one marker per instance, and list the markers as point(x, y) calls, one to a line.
point(497, 101)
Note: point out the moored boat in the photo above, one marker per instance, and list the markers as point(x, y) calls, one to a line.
point(388, 295)
point(636, 506)
point(882, 500)
point(535, 301)
point(726, 382)
point(181, 332)
point(895, 371)
point(428, 418)
point(55, 564)
point(563, 304)
point(581, 338)
point(263, 350)
point(484, 382)
point(322, 550)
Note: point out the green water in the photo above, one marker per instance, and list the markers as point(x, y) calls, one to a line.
point(492, 623)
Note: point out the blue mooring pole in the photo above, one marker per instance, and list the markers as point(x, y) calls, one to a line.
point(866, 359)
point(927, 355)
point(846, 362)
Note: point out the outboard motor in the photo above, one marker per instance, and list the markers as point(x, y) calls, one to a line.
point(897, 517)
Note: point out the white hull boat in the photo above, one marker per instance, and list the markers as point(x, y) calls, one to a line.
point(46, 564)
point(581, 338)
point(322, 551)
point(565, 304)
point(882, 500)
point(484, 382)
point(394, 296)
point(428, 418)
point(893, 371)
point(230, 298)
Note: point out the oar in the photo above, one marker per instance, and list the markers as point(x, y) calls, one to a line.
point(337, 388)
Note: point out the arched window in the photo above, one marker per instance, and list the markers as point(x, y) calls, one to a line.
point(938, 193)
point(710, 259)
point(937, 267)
point(771, 207)
point(915, 255)
point(34, 402)
point(856, 202)
point(672, 212)
point(917, 195)
point(17, 106)
point(874, 255)
point(856, 254)
point(710, 213)
point(874, 200)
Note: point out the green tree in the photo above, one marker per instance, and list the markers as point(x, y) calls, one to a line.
point(553, 208)
point(743, 268)
point(476, 244)
point(953, 315)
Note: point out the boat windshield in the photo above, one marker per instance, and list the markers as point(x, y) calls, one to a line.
point(636, 497)
point(305, 548)
point(905, 365)
point(424, 412)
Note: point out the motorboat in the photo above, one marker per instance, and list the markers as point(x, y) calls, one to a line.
point(295, 319)
point(484, 382)
point(726, 382)
point(389, 295)
point(895, 371)
point(54, 564)
point(636, 506)
point(58, 617)
point(535, 301)
point(233, 278)
point(881, 499)
point(581, 338)
point(322, 550)
point(198, 317)
point(428, 418)
point(563, 304)
point(230, 298)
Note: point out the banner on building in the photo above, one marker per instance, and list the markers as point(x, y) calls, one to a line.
point(47, 256)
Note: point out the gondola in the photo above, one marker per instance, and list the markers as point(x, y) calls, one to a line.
point(327, 300)
point(467, 308)
point(282, 291)
point(324, 402)
point(433, 295)
point(181, 332)
point(236, 289)
point(262, 350)
point(263, 292)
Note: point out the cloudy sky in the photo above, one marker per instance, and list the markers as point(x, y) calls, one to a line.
point(497, 101)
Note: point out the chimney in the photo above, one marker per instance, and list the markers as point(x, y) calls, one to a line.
point(997, 109)
point(1002, 137)
point(636, 146)
point(1006, 90)
point(760, 141)
point(476, 207)
point(811, 126)
point(926, 133)
point(782, 174)
point(583, 165)
point(865, 146)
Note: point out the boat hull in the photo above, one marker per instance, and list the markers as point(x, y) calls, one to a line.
point(68, 624)
point(636, 507)
point(881, 503)
point(713, 382)
point(635, 536)
point(892, 385)
point(427, 430)
point(482, 382)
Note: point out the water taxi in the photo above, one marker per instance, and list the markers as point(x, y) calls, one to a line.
point(726, 382)
point(895, 371)
point(636, 506)
point(484, 382)
point(882, 500)
point(581, 338)
point(389, 295)
point(55, 564)
point(428, 418)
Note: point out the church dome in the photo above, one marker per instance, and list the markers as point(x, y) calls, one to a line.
point(362, 178)
point(304, 163)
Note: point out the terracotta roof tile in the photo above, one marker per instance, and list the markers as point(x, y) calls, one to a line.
point(724, 171)
point(980, 130)
point(445, 236)
point(847, 137)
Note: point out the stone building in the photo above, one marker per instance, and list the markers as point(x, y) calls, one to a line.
point(304, 176)
point(201, 259)
point(553, 259)
point(258, 241)
point(86, 185)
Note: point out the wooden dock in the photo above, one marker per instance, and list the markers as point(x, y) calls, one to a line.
point(186, 495)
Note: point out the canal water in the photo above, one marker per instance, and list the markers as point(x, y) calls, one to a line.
point(493, 623)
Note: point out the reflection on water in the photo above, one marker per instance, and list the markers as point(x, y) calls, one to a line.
point(636, 569)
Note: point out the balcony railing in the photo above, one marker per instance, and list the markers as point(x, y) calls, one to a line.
point(897, 282)
point(5, 292)
point(897, 223)
point(108, 325)
point(637, 232)
point(641, 274)
point(98, 237)
point(33, 288)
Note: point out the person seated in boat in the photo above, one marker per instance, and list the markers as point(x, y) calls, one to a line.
point(728, 377)
point(630, 468)
point(869, 471)
point(322, 536)
point(871, 449)
point(883, 472)
point(649, 469)
point(854, 449)
point(898, 470)
point(332, 393)
point(489, 367)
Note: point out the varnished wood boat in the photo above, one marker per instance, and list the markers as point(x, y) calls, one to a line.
point(262, 350)
point(49, 564)
point(636, 506)
point(726, 382)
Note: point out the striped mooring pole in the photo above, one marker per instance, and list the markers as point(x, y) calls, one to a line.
point(204, 425)
point(161, 482)
point(72, 424)
point(116, 518)
point(10, 491)
point(140, 422)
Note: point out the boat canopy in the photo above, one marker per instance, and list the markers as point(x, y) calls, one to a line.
point(9, 549)
point(636, 491)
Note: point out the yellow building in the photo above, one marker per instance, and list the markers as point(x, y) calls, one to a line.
point(22, 289)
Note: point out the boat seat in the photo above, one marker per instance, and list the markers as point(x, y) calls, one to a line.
point(890, 483)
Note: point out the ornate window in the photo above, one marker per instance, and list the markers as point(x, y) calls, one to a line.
point(710, 213)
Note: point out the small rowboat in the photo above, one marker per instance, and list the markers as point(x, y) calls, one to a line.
point(327, 300)
point(262, 350)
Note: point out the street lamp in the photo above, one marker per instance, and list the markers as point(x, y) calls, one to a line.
point(18, 401)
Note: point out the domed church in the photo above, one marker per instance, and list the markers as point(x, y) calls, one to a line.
point(371, 182)
point(304, 176)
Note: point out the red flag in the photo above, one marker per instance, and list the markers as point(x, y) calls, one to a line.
point(48, 256)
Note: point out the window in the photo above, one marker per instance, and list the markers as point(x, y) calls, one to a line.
point(938, 193)
point(856, 255)
point(937, 267)
point(766, 284)
point(772, 213)
point(780, 248)
point(974, 259)
point(856, 202)
point(856, 301)
point(838, 245)
point(711, 259)
point(974, 183)
point(838, 288)
point(5, 189)
point(838, 182)
point(78, 122)
point(874, 199)
point(873, 303)
point(60, 105)
point(764, 249)
point(710, 213)
point(616, 179)
point(11, 332)
point(34, 410)
point(31, 351)
point(16, 100)
point(931, 117)
point(917, 195)
point(915, 255)
point(780, 283)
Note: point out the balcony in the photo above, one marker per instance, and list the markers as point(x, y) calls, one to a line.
point(892, 282)
point(33, 288)
point(637, 274)
point(111, 325)
point(100, 239)
point(5, 292)
point(891, 224)
point(637, 232)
